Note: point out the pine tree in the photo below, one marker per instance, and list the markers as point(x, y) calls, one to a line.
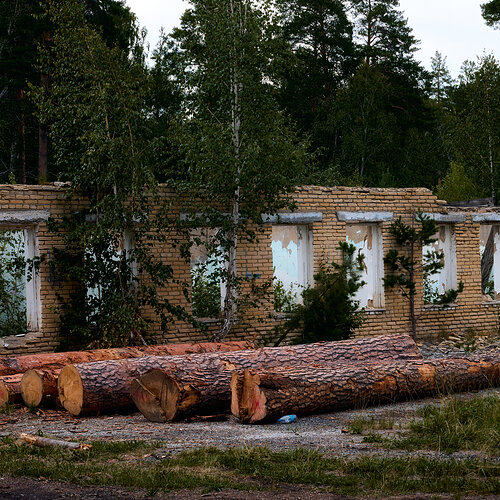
point(384, 37)
point(475, 142)
point(319, 35)
point(441, 80)
point(491, 13)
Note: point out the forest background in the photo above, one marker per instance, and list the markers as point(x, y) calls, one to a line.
point(242, 102)
point(345, 73)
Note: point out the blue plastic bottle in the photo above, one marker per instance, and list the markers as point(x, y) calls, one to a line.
point(287, 419)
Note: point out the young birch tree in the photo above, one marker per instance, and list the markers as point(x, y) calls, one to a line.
point(240, 155)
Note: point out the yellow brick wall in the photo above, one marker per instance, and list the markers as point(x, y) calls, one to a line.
point(256, 258)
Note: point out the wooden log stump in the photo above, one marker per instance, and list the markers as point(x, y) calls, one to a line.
point(201, 385)
point(10, 389)
point(39, 385)
point(21, 364)
point(266, 395)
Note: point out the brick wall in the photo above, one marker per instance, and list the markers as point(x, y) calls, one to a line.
point(256, 258)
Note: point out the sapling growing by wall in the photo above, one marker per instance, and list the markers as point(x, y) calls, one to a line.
point(329, 309)
point(404, 264)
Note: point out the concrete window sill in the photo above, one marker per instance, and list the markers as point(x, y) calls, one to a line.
point(374, 312)
point(438, 307)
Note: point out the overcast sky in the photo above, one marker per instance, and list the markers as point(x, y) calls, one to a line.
point(453, 27)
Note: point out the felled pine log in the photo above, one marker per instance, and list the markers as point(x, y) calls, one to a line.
point(200, 385)
point(265, 395)
point(10, 389)
point(21, 364)
point(39, 384)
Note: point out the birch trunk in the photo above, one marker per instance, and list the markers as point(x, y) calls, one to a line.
point(231, 299)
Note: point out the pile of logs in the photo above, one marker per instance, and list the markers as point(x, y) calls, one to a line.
point(33, 378)
point(183, 381)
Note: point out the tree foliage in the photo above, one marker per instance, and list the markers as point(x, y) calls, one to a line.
point(22, 28)
point(476, 123)
point(97, 111)
point(491, 12)
point(239, 154)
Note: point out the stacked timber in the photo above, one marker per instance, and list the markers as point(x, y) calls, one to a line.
point(264, 395)
point(39, 383)
point(199, 384)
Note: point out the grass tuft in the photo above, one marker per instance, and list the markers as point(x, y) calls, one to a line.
point(457, 425)
point(359, 425)
point(7, 409)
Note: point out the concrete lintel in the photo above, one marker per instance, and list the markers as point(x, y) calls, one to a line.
point(489, 217)
point(449, 218)
point(23, 216)
point(293, 218)
point(365, 216)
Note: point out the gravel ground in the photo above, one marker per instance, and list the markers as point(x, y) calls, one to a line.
point(327, 433)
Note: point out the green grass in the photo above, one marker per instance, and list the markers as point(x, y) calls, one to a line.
point(457, 425)
point(131, 465)
point(359, 425)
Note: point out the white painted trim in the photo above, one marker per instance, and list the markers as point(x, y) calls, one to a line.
point(298, 218)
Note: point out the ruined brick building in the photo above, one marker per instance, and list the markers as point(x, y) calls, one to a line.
point(290, 247)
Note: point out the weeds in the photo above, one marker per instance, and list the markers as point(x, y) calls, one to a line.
point(457, 425)
point(359, 425)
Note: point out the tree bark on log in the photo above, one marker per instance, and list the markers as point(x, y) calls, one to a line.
point(39, 386)
point(10, 389)
point(201, 385)
point(266, 395)
point(21, 364)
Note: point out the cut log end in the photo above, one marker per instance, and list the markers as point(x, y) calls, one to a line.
point(32, 388)
point(152, 394)
point(70, 390)
point(4, 394)
point(252, 404)
point(235, 406)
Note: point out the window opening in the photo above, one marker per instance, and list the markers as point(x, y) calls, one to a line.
point(292, 264)
point(19, 282)
point(444, 279)
point(489, 248)
point(208, 288)
point(367, 238)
